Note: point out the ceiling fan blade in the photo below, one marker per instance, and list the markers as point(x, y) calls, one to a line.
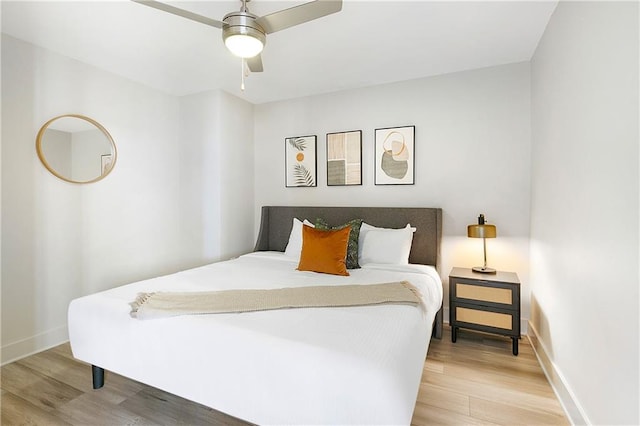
point(255, 63)
point(298, 14)
point(180, 12)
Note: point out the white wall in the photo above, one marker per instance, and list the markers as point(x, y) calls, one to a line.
point(218, 130)
point(237, 176)
point(149, 217)
point(472, 156)
point(584, 217)
point(200, 115)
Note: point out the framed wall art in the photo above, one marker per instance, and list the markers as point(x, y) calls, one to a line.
point(395, 156)
point(344, 158)
point(300, 161)
point(106, 162)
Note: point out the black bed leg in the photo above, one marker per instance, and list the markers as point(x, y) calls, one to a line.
point(437, 325)
point(98, 377)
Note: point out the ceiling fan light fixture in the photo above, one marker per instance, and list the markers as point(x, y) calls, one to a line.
point(243, 45)
point(242, 36)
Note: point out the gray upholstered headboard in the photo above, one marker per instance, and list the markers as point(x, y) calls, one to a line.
point(276, 223)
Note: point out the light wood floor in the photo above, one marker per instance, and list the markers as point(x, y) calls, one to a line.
point(478, 381)
point(474, 381)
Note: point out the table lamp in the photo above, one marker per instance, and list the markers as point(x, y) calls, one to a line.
point(484, 231)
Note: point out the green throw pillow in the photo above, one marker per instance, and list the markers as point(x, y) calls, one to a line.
point(352, 247)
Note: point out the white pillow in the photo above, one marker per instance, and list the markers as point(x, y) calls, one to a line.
point(384, 245)
point(365, 227)
point(294, 246)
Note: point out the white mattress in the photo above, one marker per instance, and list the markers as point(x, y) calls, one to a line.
point(356, 365)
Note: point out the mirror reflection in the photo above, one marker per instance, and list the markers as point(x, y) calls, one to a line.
point(76, 148)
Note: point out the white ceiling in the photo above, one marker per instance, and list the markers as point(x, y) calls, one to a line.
point(367, 43)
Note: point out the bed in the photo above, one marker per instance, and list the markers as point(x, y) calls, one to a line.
point(345, 365)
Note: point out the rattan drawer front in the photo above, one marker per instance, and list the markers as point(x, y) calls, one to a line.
point(486, 294)
point(490, 319)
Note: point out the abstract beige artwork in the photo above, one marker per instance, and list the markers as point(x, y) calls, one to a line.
point(344, 158)
point(395, 156)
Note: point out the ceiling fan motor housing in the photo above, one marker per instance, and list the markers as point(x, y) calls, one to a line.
point(242, 23)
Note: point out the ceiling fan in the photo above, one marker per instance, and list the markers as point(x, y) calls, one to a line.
point(245, 34)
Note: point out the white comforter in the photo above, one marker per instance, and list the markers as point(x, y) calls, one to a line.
point(356, 365)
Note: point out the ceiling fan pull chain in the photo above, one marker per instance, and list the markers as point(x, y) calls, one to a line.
point(242, 74)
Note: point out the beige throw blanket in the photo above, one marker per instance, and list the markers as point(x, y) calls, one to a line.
point(165, 304)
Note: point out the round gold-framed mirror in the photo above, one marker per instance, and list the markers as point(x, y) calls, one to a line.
point(76, 148)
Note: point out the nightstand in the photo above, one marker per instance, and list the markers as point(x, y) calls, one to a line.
point(485, 302)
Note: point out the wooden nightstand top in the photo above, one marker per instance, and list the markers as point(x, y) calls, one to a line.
point(500, 276)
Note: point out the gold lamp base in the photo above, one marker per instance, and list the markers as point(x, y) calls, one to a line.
point(483, 270)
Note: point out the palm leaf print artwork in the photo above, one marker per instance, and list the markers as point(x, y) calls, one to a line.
point(302, 175)
point(298, 143)
point(300, 158)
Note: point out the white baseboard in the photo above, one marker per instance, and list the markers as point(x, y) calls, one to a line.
point(567, 399)
point(29, 346)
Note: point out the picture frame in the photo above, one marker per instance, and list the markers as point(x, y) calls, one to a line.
point(395, 156)
point(106, 162)
point(344, 158)
point(300, 161)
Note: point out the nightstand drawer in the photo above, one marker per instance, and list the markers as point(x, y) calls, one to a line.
point(486, 318)
point(485, 294)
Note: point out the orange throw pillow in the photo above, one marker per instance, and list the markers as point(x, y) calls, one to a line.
point(324, 251)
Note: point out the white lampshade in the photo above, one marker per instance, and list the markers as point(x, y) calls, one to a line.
point(243, 45)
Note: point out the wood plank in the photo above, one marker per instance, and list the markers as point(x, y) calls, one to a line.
point(502, 393)
point(91, 409)
point(38, 389)
point(65, 369)
point(64, 350)
point(425, 415)
point(435, 396)
point(435, 366)
point(17, 411)
point(162, 407)
point(509, 415)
